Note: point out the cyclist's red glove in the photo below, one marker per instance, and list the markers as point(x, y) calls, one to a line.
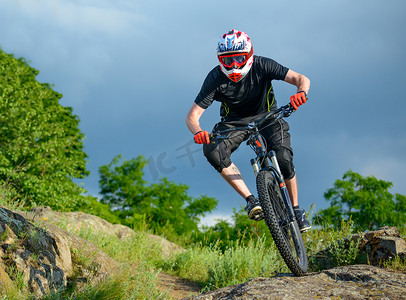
point(298, 99)
point(202, 137)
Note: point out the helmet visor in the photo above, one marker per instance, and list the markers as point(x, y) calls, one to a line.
point(230, 60)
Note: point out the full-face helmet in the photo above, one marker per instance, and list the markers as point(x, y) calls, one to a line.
point(234, 52)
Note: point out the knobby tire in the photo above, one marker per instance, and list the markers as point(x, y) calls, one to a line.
point(286, 235)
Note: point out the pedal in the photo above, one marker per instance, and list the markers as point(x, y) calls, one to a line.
point(259, 217)
point(304, 229)
point(257, 214)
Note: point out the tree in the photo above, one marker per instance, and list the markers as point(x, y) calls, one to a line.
point(41, 146)
point(163, 204)
point(366, 200)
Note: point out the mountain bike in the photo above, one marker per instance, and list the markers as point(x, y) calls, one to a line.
point(273, 194)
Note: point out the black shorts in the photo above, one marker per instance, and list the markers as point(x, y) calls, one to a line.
point(277, 138)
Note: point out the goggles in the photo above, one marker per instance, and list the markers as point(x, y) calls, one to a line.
point(230, 60)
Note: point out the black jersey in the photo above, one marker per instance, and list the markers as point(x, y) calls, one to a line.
point(251, 96)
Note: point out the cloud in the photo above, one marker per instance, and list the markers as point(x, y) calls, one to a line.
point(387, 169)
point(74, 44)
point(381, 156)
point(96, 17)
point(90, 50)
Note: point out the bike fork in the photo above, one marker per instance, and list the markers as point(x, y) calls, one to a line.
point(255, 166)
point(282, 185)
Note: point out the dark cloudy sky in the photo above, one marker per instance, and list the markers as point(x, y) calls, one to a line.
point(132, 69)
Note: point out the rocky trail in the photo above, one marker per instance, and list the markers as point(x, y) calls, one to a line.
point(349, 282)
point(178, 288)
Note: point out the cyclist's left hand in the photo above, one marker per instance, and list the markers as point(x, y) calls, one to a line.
point(298, 99)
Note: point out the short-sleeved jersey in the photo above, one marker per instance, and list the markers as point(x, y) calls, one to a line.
point(251, 96)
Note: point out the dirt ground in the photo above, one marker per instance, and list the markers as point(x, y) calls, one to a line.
point(178, 288)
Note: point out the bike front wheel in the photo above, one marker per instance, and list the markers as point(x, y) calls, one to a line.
point(285, 232)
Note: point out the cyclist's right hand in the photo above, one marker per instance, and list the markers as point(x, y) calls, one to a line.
point(202, 137)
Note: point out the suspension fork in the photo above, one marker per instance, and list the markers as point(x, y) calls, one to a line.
point(260, 161)
point(282, 184)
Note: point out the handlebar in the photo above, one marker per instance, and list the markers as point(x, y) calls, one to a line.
point(282, 112)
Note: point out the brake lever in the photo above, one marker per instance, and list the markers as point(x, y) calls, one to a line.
point(288, 111)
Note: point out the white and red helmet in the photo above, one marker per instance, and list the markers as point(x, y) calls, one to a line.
point(234, 51)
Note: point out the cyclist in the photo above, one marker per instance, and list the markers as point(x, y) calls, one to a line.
point(242, 83)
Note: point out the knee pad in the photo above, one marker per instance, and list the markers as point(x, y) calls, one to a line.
point(217, 155)
point(285, 159)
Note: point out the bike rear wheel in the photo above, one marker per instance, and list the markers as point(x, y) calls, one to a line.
point(286, 233)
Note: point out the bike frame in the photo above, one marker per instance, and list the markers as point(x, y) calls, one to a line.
point(262, 162)
point(266, 160)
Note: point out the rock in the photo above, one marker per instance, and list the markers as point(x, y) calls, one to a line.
point(381, 245)
point(8, 234)
point(375, 248)
point(77, 221)
point(6, 284)
point(34, 253)
point(48, 257)
point(166, 247)
point(351, 282)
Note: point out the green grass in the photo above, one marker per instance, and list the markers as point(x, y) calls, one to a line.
point(123, 285)
point(214, 268)
point(397, 265)
point(336, 253)
point(10, 197)
point(138, 277)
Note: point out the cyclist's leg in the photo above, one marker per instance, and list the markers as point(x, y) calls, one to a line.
point(291, 185)
point(219, 153)
point(233, 176)
point(278, 139)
